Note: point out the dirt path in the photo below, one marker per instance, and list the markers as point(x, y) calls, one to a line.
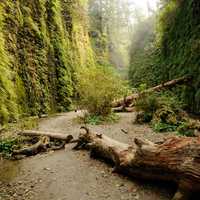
point(70, 175)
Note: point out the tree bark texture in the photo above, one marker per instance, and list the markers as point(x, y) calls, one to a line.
point(127, 101)
point(177, 159)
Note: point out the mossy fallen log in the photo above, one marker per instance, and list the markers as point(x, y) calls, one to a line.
point(124, 103)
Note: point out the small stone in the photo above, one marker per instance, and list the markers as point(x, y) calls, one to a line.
point(19, 182)
point(47, 168)
point(27, 190)
point(120, 185)
point(132, 189)
point(136, 197)
point(15, 195)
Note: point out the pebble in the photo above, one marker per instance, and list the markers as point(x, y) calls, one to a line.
point(47, 168)
point(136, 197)
point(120, 185)
point(19, 182)
point(27, 190)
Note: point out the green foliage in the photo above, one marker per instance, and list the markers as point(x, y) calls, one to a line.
point(179, 36)
point(97, 88)
point(10, 140)
point(172, 53)
point(162, 110)
point(42, 44)
point(143, 117)
point(148, 103)
point(165, 113)
point(7, 145)
point(8, 107)
point(185, 129)
point(98, 119)
point(142, 87)
point(93, 120)
point(142, 53)
point(163, 127)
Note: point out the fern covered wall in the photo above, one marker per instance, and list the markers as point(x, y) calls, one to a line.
point(43, 43)
point(175, 52)
point(179, 38)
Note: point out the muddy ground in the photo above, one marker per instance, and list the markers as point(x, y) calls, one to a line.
point(73, 175)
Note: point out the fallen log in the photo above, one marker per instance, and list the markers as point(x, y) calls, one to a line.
point(177, 159)
point(123, 109)
point(47, 140)
point(125, 102)
point(59, 136)
point(34, 149)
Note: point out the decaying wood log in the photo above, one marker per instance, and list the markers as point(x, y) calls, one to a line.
point(59, 136)
point(123, 109)
point(125, 102)
point(40, 146)
point(177, 159)
point(48, 140)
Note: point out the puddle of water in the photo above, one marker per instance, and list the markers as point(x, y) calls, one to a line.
point(8, 170)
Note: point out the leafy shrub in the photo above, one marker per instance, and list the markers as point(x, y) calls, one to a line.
point(97, 119)
point(163, 127)
point(143, 117)
point(185, 129)
point(97, 88)
point(6, 146)
point(142, 87)
point(164, 111)
point(147, 103)
point(188, 127)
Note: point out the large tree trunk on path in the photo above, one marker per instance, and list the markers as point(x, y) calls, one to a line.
point(177, 159)
point(125, 102)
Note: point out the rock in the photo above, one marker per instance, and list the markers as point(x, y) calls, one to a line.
point(47, 168)
point(19, 182)
point(136, 197)
point(15, 195)
point(196, 133)
point(120, 185)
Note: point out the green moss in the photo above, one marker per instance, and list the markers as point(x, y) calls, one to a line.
point(46, 43)
point(180, 45)
point(8, 107)
point(175, 52)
